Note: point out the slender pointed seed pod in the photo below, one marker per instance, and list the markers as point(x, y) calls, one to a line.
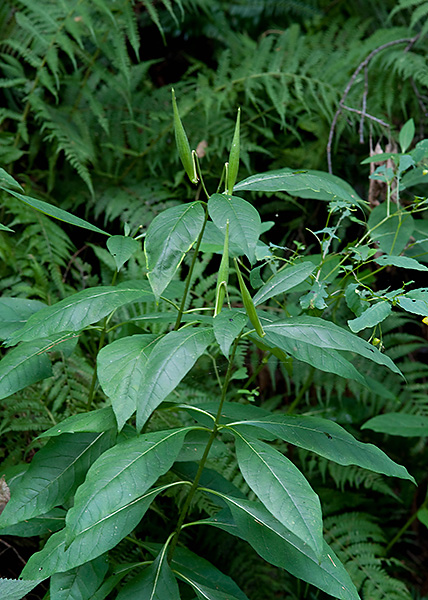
point(183, 145)
point(234, 156)
point(248, 303)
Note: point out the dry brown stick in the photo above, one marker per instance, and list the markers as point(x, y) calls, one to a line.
point(364, 103)
point(9, 547)
point(364, 114)
point(351, 82)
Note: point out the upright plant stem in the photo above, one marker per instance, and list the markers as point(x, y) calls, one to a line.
point(405, 526)
point(190, 273)
point(94, 375)
point(210, 442)
point(303, 389)
point(100, 345)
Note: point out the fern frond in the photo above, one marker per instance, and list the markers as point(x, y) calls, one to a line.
point(359, 542)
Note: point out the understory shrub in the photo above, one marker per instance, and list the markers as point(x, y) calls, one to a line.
point(158, 443)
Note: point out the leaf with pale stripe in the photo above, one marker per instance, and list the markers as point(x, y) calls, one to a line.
point(79, 583)
point(327, 438)
point(156, 582)
point(282, 548)
point(118, 477)
point(56, 557)
point(169, 361)
point(14, 312)
point(323, 334)
point(244, 221)
point(283, 281)
point(120, 369)
point(206, 580)
point(55, 472)
point(79, 311)
point(282, 488)
point(170, 235)
point(325, 359)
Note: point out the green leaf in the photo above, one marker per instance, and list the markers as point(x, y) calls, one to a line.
point(422, 516)
point(399, 424)
point(122, 247)
point(209, 479)
point(315, 298)
point(54, 474)
point(81, 582)
point(120, 368)
point(325, 359)
point(282, 488)
point(392, 234)
point(170, 235)
point(400, 261)
point(206, 580)
point(156, 582)
point(7, 181)
point(213, 241)
point(415, 302)
point(119, 477)
point(95, 421)
point(283, 281)
point(323, 334)
point(170, 360)
point(282, 548)
point(228, 324)
point(112, 582)
point(381, 157)
point(53, 520)
point(244, 222)
point(195, 444)
point(231, 411)
point(4, 228)
point(327, 439)
point(353, 299)
point(14, 312)
point(406, 161)
point(55, 558)
point(372, 316)
point(53, 211)
point(407, 133)
point(16, 589)
point(311, 184)
point(79, 311)
point(23, 366)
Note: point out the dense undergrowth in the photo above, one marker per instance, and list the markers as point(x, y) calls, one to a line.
point(86, 125)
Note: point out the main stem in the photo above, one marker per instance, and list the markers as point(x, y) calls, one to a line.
point(201, 467)
point(100, 345)
point(190, 273)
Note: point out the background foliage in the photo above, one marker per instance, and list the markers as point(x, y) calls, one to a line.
point(85, 123)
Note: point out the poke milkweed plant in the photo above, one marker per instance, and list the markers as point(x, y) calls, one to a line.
point(102, 470)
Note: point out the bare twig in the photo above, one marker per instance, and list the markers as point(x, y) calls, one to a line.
point(362, 65)
point(364, 114)
point(365, 93)
point(71, 261)
point(9, 547)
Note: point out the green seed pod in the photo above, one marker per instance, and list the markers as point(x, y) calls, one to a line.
point(234, 157)
point(249, 304)
point(183, 145)
point(223, 274)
